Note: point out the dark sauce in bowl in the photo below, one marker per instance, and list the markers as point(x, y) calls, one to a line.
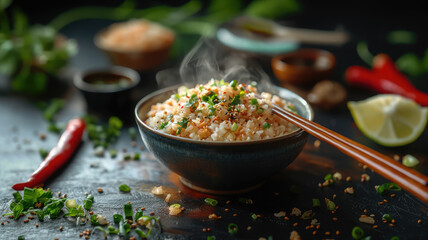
point(109, 80)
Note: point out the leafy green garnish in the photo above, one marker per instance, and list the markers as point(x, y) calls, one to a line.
point(163, 125)
point(266, 125)
point(75, 212)
point(260, 111)
point(183, 124)
point(192, 101)
point(94, 220)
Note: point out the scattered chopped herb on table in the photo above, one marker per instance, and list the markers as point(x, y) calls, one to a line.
point(124, 188)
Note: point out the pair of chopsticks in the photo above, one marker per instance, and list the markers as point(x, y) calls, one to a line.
point(407, 178)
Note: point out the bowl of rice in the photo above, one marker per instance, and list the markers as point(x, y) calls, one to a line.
point(221, 137)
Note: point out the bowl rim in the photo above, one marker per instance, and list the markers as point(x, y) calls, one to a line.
point(140, 122)
point(119, 70)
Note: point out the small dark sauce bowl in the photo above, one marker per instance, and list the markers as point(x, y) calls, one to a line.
point(222, 167)
point(108, 91)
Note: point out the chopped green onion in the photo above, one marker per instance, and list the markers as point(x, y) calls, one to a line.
point(112, 230)
point(117, 218)
point(142, 234)
point(54, 106)
point(101, 229)
point(113, 153)
point(21, 238)
point(40, 215)
point(71, 203)
point(210, 237)
point(233, 83)
point(260, 111)
point(232, 228)
point(87, 204)
point(43, 153)
point(138, 214)
point(330, 205)
point(316, 202)
point(236, 100)
point(136, 156)
point(254, 216)
point(394, 238)
point(127, 157)
point(386, 187)
point(127, 209)
point(94, 220)
point(266, 125)
point(357, 232)
point(234, 127)
point(387, 217)
point(254, 102)
point(132, 133)
point(175, 205)
point(17, 196)
point(328, 177)
point(124, 227)
point(410, 161)
point(253, 84)
point(90, 197)
point(241, 93)
point(211, 201)
point(124, 188)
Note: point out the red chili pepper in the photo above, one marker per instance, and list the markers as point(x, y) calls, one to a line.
point(58, 156)
point(385, 78)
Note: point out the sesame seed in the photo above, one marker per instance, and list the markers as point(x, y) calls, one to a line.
point(419, 221)
point(37, 225)
point(91, 213)
point(2, 223)
point(337, 232)
point(61, 228)
point(327, 233)
point(314, 232)
point(391, 225)
point(335, 219)
point(26, 220)
point(295, 224)
point(100, 190)
point(375, 226)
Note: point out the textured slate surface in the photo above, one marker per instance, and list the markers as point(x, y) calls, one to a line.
point(21, 123)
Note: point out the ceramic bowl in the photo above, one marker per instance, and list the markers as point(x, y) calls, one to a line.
point(222, 167)
point(139, 58)
point(303, 67)
point(108, 99)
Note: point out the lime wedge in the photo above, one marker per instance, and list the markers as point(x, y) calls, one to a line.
point(388, 119)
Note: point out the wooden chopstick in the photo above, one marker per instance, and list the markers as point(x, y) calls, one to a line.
point(409, 179)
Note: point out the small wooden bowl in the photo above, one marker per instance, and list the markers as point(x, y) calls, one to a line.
point(304, 66)
point(138, 59)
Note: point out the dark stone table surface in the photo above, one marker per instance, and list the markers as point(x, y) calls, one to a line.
point(21, 123)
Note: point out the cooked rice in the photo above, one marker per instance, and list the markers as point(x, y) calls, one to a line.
point(220, 111)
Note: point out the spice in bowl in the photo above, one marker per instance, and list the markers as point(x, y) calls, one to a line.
point(137, 44)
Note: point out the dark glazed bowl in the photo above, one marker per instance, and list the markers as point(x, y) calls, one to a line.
point(108, 100)
point(303, 67)
point(222, 167)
